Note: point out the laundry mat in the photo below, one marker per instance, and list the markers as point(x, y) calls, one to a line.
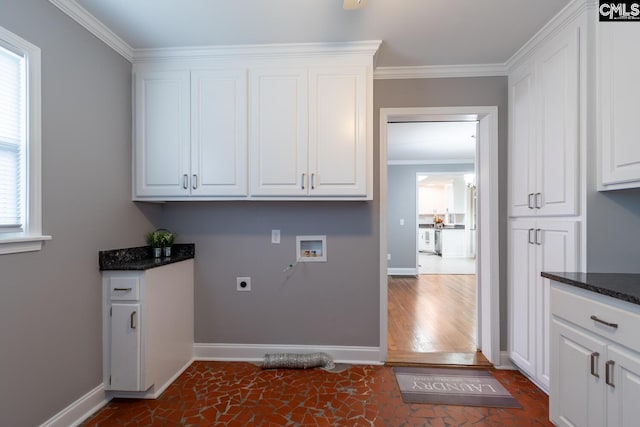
point(463, 387)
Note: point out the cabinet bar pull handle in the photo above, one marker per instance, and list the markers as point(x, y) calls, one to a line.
point(594, 358)
point(538, 236)
point(530, 201)
point(122, 289)
point(538, 200)
point(531, 239)
point(313, 181)
point(133, 315)
point(195, 181)
point(595, 318)
point(185, 181)
point(302, 181)
point(608, 378)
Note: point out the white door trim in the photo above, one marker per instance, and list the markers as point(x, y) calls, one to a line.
point(488, 246)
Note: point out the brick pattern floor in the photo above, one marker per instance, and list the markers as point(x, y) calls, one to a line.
point(242, 394)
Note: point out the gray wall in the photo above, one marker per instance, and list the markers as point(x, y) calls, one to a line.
point(332, 303)
point(50, 301)
point(402, 204)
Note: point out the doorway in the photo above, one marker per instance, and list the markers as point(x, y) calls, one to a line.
point(487, 335)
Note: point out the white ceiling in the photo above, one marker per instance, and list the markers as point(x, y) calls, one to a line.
point(431, 142)
point(414, 32)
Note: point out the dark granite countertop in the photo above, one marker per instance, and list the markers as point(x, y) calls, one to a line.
point(446, 227)
point(623, 286)
point(140, 258)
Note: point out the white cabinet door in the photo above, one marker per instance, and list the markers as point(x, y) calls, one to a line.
point(557, 250)
point(278, 134)
point(522, 141)
point(577, 393)
point(618, 109)
point(219, 133)
point(522, 295)
point(125, 354)
point(338, 131)
point(623, 405)
point(544, 99)
point(558, 79)
point(162, 140)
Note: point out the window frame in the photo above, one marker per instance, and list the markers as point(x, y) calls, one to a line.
point(31, 238)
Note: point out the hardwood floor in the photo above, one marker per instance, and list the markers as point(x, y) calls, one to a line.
point(434, 314)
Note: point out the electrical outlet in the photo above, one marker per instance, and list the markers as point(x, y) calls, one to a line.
point(388, 257)
point(275, 237)
point(243, 284)
point(402, 221)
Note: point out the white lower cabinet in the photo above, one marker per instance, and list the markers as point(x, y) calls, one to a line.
point(595, 368)
point(536, 246)
point(147, 328)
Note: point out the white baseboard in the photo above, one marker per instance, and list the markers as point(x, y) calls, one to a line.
point(153, 392)
point(402, 271)
point(256, 352)
point(79, 410)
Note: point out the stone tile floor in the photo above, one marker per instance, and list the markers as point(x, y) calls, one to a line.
point(242, 394)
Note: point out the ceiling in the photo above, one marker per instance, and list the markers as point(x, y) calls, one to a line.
point(414, 32)
point(431, 142)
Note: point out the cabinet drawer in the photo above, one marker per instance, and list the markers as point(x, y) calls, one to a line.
point(124, 288)
point(579, 306)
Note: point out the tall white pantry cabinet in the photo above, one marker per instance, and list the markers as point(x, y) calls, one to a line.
point(546, 152)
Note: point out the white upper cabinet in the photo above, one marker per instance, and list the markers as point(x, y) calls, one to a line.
point(279, 131)
point(219, 132)
point(308, 132)
point(272, 122)
point(190, 134)
point(162, 133)
point(337, 131)
point(618, 109)
point(544, 99)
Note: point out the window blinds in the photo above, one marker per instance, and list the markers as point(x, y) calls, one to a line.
point(12, 140)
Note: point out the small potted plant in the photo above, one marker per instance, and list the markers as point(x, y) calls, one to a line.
point(156, 241)
point(167, 241)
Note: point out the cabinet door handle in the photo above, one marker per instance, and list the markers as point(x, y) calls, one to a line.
point(538, 200)
point(194, 181)
point(302, 181)
point(530, 201)
point(531, 239)
point(185, 181)
point(122, 289)
point(608, 378)
point(538, 236)
point(611, 325)
point(132, 323)
point(313, 181)
point(594, 361)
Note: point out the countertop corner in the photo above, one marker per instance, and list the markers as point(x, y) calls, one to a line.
point(140, 258)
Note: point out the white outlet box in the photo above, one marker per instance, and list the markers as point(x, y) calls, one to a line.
point(275, 237)
point(388, 257)
point(243, 284)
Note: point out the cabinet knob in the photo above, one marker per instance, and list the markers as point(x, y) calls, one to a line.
point(194, 181)
point(133, 317)
point(185, 181)
point(530, 201)
point(313, 181)
point(302, 181)
point(538, 200)
point(531, 239)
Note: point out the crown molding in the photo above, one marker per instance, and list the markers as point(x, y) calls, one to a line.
point(94, 26)
point(365, 48)
point(556, 24)
point(440, 71)
point(469, 161)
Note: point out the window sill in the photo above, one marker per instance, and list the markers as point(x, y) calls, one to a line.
point(21, 243)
